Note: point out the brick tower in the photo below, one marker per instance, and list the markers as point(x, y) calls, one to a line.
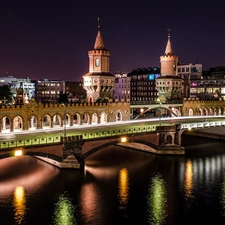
point(99, 82)
point(169, 85)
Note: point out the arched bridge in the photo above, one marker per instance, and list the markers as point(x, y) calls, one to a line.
point(152, 135)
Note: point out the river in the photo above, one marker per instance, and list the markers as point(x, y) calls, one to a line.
point(118, 186)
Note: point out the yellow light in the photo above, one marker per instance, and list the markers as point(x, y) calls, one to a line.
point(18, 153)
point(189, 128)
point(123, 139)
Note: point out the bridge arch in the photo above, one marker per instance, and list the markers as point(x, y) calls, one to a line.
point(6, 124)
point(103, 117)
point(86, 118)
point(66, 120)
point(32, 122)
point(46, 121)
point(18, 123)
point(94, 118)
point(31, 153)
point(190, 112)
point(76, 120)
point(131, 142)
point(56, 120)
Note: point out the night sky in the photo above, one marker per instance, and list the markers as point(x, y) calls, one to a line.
point(51, 39)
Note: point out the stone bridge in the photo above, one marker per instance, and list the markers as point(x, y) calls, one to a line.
point(71, 152)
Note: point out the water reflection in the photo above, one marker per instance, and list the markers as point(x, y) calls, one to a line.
point(19, 203)
point(123, 188)
point(188, 183)
point(156, 201)
point(64, 211)
point(222, 197)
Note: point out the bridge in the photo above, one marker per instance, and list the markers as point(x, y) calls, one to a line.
point(157, 135)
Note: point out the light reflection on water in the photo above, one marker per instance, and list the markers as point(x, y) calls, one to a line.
point(188, 182)
point(123, 187)
point(64, 213)
point(157, 201)
point(19, 203)
point(162, 190)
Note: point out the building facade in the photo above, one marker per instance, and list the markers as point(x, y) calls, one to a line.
point(48, 91)
point(188, 72)
point(122, 86)
point(142, 84)
point(211, 85)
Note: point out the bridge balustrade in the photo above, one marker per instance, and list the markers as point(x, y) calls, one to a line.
point(88, 135)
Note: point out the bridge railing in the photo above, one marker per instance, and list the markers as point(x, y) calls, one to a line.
point(87, 135)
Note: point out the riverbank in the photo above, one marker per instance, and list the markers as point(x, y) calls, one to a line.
point(212, 132)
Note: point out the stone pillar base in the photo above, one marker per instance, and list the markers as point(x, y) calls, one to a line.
point(69, 163)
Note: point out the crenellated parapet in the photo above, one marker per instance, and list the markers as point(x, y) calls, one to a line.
point(197, 107)
point(100, 52)
point(38, 115)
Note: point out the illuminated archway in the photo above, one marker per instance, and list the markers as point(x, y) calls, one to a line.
point(6, 122)
point(191, 112)
point(32, 123)
point(56, 120)
point(46, 122)
point(17, 124)
point(66, 120)
point(76, 119)
point(94, 119)
point(103, 117)
point(85, 119)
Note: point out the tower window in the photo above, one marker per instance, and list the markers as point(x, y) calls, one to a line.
point(97, 62)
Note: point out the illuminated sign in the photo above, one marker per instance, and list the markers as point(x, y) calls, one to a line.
point(151, 77)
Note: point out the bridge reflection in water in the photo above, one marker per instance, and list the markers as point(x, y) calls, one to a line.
point(120, 185)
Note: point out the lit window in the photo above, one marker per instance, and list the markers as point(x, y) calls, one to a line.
point(97, 62)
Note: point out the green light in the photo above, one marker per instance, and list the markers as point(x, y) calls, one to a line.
point(156, 212)
point(64, 212)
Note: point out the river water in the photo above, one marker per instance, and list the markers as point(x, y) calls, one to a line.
point(118, 186)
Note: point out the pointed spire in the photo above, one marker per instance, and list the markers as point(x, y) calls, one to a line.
point(99, 41)
point(169, 50)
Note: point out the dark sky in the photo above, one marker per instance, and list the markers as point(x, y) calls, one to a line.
point(51, 39)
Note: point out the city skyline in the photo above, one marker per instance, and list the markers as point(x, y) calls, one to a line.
point(44, 40)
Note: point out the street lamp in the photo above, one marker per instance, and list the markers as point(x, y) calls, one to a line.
point(158, 100)
point(64, 106)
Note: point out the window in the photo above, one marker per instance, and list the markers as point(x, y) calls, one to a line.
point(97, 62)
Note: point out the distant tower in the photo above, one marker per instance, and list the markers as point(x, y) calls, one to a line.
point(169, 85)
point(19, 96)
point(99, 82)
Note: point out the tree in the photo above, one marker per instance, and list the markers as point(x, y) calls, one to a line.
point(5, 94)
point(63, 98)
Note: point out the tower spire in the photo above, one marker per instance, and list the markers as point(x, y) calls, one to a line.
point(99, 24)
point(99, 44)
point(169, 50)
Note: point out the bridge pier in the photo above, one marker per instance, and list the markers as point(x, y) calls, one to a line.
point(169, 140)
point(72, 152)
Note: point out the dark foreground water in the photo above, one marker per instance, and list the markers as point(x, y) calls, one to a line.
point(118, 186)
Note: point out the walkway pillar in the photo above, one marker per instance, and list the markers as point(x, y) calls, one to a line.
point(169, 140)
point(72, 152)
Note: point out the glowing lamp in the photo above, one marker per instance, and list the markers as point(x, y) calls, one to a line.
point(18, 153)
point(123, 139)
